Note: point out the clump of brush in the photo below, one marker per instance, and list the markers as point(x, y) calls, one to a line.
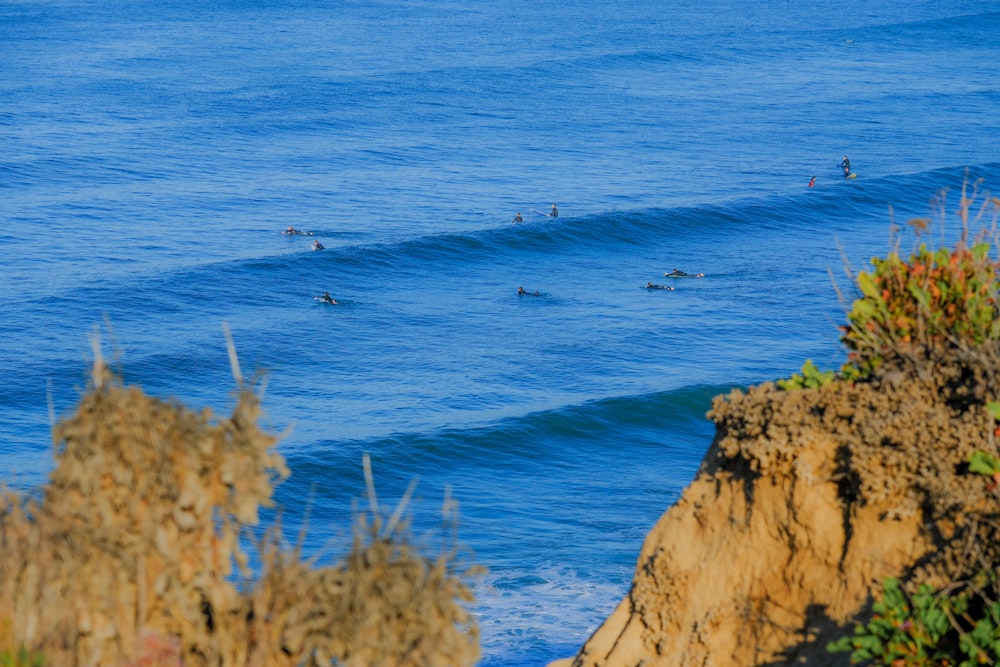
point(133, 554)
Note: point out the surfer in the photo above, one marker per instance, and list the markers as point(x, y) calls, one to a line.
point(845, 164)
point(326, 298)
point(812, 181)
point(555, 212)
point(318, 246)
point(517, 218)
point(681, 274)
point(292, 231)
point(651, 285)
point(521, 292)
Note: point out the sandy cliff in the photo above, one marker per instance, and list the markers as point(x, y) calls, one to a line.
point(804, 502)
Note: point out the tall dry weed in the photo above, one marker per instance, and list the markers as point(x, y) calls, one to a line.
point(130, 556)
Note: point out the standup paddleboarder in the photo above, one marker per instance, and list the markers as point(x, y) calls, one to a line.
point(845, 164)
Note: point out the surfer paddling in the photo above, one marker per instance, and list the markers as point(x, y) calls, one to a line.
point(681, 274)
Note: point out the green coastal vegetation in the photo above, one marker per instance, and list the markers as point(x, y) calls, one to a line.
point(930, 303)
point(935, 311)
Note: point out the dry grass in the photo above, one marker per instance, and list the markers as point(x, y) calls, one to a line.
point(132, 554)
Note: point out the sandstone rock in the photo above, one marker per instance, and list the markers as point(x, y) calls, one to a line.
point(804, 502)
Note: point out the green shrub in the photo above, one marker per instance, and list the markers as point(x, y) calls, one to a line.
point(900, 629)
point(984, 464)
point(935, 299)
point(958, 626)
point(811, 378)
point(947, 297)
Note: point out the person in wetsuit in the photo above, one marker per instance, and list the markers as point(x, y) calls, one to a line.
point(845, 164)
point(555, 211)
point(681, 274)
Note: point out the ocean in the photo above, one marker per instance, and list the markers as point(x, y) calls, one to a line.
point(151, 154)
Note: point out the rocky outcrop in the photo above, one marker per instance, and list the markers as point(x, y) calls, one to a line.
point(805, 501)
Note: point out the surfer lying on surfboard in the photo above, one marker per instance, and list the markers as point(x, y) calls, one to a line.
point(651, 285)
point(680, 274)
point(326, 298)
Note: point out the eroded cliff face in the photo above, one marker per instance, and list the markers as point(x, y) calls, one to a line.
point(805, 501)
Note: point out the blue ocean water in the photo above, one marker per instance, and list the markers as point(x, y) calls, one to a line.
point(152, 153)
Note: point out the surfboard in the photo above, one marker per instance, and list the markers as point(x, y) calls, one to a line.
point(322, 300)
point(852, 175)
point(684, 275)
point(535, 210)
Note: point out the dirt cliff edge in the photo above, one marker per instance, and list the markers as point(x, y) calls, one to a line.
point(804, 502)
